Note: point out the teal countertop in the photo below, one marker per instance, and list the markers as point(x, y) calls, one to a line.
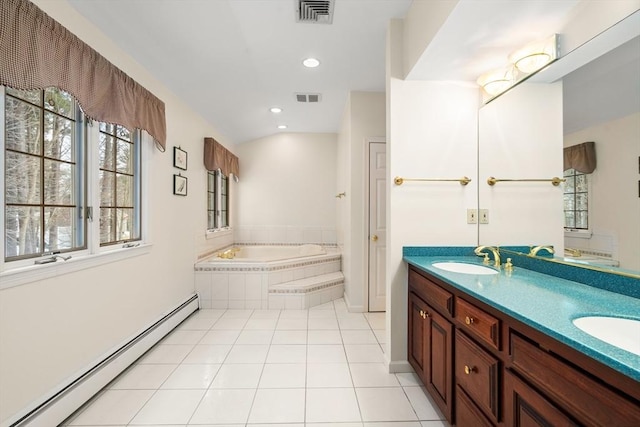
point(546, 303)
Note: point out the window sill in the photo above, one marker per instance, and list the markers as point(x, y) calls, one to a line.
point(221, 232)
point(33, 273)
point(578, 234)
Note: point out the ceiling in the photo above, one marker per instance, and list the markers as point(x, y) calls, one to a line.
point(231, 60)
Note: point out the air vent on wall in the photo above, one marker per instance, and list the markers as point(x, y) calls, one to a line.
point(308, 97)
point(315, 11)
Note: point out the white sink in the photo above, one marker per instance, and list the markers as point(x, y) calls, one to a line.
point(462, 267)
point(619, 332)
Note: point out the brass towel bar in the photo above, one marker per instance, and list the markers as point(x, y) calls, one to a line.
point(398, 180)
point(555, 180)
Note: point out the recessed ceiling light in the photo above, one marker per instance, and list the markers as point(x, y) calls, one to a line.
point(275, 109)
point(311, 62)
point(282, 126)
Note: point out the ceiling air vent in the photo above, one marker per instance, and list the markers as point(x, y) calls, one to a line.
point(315, 11)
point(308, 97)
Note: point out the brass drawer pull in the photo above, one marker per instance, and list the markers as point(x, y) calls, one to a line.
point(470, 369)
point(469, 320)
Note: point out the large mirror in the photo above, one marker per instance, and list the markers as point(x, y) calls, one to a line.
point(589, 94)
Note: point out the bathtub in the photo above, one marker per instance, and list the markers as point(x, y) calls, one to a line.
point(274, 253)
point(270, 277)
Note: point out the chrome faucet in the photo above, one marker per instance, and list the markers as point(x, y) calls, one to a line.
point(534, 251)
point(493, 249)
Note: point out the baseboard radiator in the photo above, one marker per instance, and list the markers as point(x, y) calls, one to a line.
point(69, 397)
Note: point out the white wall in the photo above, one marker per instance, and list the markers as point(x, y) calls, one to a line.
point(363, 119)
point(53, 328)
point(614, 202)
point(287, 189)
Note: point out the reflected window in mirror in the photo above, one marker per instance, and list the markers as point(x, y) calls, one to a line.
point(576, 200)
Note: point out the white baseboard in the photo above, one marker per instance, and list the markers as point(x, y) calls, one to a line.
point(65, 399)
point(399, 366)
point(352, 308)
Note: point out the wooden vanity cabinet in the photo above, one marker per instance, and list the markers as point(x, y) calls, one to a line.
point(484, 368)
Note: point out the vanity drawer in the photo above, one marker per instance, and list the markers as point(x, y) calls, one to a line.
point(478, 323)
point(591, 402)
point(476, 372)
point(433, 294)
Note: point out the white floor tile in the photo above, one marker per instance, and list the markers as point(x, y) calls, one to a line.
point(408, 379)
point(294, 314)
point(332, 405)
point(255, 337)
point(229, 323)
point(353, 321)
point(422, 404)
point(328, 375)
point(372, 375)
point(191, 377)
point(325, 337)
point(364, 353)
point(169, 407)
point(261, 324)
point(237, 314)
point(220, 336)
point(166, 354)
point(326, 353)
point(291, 324)
point(140, 377)
point(322, 307)
point(385, 404)
point(113, 407)
point(208, 354)
point(376, 320)
point(207, 314)
point(197, 324)
point(289, 337)
point(183, 337)
point(434, 424)
point(265, 314)
point(287, 354)
point(394, 424)
point(238, 376)
point(224, 406)
point(248, 354)
point(381, 335)
point(323, 323)
point(358, 337)
point(283, 375)
point(278, 406)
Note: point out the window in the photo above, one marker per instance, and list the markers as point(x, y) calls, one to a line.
point(44, 173)
point(217, 200)
point(56, 168)
point(576, 200)
point(119, 183)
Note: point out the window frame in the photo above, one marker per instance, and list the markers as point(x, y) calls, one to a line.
point(221, 183)
point(19, 272)
point(578, 230)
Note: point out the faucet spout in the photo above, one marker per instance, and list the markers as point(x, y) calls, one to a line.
point(534, 251)
point(494, 250)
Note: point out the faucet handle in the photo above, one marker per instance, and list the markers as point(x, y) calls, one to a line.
point(486, 259)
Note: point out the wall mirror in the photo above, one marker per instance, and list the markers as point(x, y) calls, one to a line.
point(590, 94)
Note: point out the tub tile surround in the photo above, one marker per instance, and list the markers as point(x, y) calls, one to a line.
point(285, 235)
point(288, 284)
point(284, 373)
point(546, 296)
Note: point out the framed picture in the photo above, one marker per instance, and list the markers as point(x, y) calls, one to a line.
point(179, 158)
point(179, 185)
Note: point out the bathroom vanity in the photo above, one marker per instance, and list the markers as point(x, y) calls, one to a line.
point(501, 348)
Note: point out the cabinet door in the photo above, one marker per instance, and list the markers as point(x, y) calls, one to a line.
point(417, 335)
point(524, 407)
point(467, 414)
point(439, 350)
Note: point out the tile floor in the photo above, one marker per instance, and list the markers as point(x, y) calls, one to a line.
point(258, 367)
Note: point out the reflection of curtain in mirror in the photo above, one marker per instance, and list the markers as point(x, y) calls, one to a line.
point(581, 157)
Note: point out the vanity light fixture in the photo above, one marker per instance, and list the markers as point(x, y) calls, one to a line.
point(311, 62)
point(536, 55)
point(282, 126)
point(275, 110)
point(497, 81)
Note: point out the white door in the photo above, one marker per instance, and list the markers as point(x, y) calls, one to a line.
point(377, 225)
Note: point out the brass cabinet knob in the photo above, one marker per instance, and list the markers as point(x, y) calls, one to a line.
point(424, 314)
point(469, 369)
point(374, 238)
point(469, 320)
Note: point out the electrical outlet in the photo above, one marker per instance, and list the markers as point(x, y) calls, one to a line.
point(484, 216)
point(472, 216)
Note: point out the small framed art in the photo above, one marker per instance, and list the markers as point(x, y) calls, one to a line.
point(179, 185)
point(179, 158)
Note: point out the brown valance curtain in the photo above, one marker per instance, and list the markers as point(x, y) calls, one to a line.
point(37, 52)
point(581, 157)
point(217, 157)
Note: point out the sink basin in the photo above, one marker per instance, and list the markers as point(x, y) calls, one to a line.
point(461, 267)
point(617, 331)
